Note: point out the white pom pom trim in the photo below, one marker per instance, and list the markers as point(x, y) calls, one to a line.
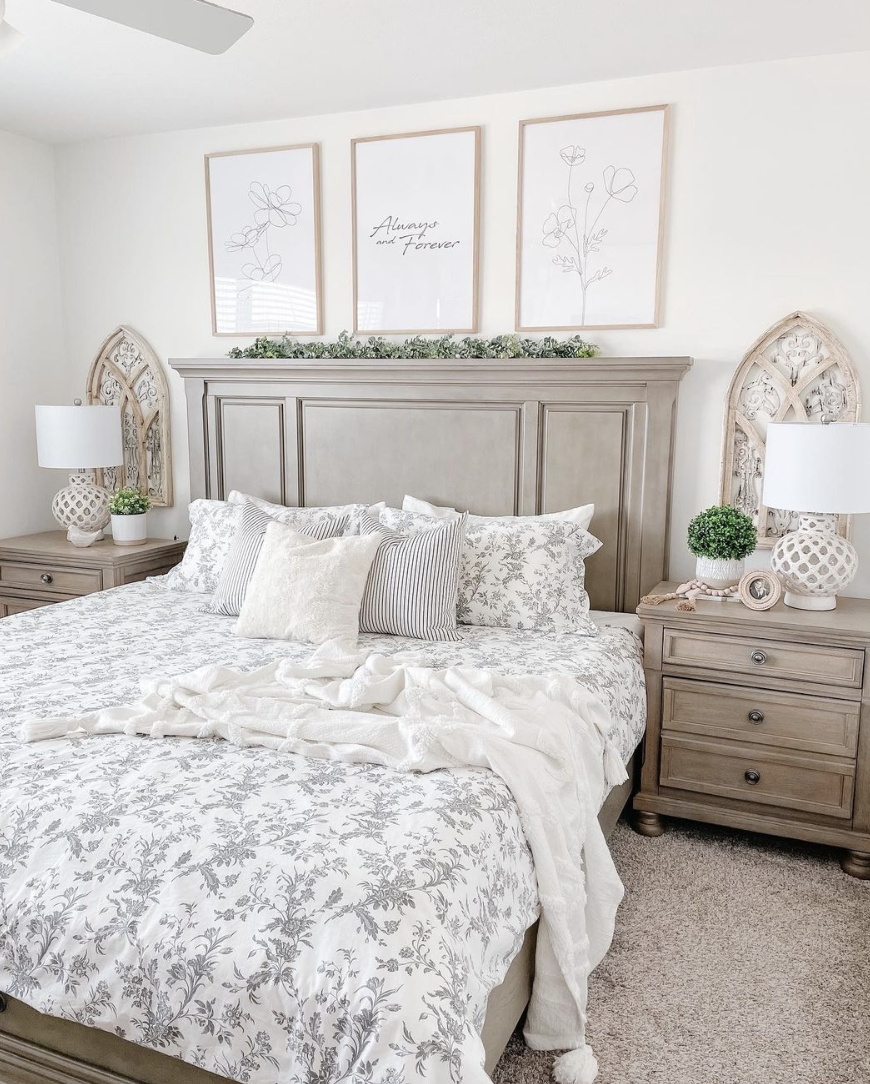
point(576, 1067)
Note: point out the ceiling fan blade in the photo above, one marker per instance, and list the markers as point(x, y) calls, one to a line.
point(196, 23)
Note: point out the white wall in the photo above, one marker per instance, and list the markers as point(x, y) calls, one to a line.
point(32, 354)
point(767, 212)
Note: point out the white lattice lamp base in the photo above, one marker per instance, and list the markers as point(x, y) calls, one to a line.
point(83, 508)
point(814, 563)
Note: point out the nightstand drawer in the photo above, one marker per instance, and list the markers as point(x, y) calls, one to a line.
point(10, 605)
point(48, 579)
point(840, 666)
point(788, 720)
point(758, 775)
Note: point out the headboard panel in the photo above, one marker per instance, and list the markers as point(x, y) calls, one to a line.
point(496, 437)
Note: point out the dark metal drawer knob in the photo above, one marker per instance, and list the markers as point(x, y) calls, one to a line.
point(756, 716)
point(758, 657)
point(46, 577)
point(752, 776)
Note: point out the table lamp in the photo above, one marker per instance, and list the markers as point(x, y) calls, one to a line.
point(820, 471)
point(80, 437)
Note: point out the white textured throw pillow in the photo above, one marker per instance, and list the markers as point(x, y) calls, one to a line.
point(212, 530)
point(519, 572)
point(309, 590)
point(581, 515)
point(245, 550)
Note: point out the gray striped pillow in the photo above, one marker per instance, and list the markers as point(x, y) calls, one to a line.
point(242, 558)
point(413, 582)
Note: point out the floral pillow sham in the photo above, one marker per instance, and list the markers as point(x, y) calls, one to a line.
point(212, 530)
point(213, 527)
point(518, 572)
point(581, 515)
point(354, 511)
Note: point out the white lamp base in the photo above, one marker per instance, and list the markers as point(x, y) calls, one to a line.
point(814, 563)
point(83, 508)
point(810, 602)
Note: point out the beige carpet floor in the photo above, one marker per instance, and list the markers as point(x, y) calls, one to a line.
point(738, 959)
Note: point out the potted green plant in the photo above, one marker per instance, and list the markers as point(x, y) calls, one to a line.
point(721, 538)
point(128, 508)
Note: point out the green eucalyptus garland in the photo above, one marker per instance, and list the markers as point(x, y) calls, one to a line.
point(502, 346)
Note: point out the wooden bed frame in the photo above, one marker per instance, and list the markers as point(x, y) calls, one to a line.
point(497, 437)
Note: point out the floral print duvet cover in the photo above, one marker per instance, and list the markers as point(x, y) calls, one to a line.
point(262, 915)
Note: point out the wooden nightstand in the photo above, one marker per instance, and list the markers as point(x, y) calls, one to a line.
point(759, 721)
point(39, 569)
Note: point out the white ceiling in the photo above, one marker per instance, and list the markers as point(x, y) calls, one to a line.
point(79, 77)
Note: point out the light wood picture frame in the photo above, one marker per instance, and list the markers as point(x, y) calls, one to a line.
point(760, 589)
point(264, 240)
point(415, 199)
point(580, 265)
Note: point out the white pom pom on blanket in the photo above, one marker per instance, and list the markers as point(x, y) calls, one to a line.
point(576, 1067)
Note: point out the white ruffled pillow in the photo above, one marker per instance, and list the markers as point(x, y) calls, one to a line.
point(212, 530)
point(582, 515)
point(519, 572)
point(304, 589)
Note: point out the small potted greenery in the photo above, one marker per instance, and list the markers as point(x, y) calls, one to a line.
point(721, 538)
point(129, 507)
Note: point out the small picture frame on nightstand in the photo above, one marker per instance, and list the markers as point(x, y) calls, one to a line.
point(760, 589)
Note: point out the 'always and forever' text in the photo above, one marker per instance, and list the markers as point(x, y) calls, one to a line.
point(409, 236)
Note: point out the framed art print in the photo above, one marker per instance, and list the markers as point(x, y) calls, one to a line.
point(590, 220)
point(264, 241)
point(416, 209)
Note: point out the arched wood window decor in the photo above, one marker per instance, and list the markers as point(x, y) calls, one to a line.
point(796, 371)
point(126, 372)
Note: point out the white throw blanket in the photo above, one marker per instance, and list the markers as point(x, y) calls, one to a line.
point(545, 737)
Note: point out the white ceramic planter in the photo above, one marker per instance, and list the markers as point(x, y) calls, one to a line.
point(715, 572)
point(129, 530)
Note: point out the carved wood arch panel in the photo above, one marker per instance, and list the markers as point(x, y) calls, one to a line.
point(126, 373)
point(796, 371)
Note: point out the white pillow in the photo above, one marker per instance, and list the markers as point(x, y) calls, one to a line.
point(582, 515)
point(304, 589)
point(274, 510)
point(212, 530)
point(245, 550)
point(518, 572)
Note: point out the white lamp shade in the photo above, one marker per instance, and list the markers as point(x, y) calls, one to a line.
point(811, 467)
point(79, 437)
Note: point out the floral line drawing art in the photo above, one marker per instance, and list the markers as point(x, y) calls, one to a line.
point(581, 232)
point(273, 209)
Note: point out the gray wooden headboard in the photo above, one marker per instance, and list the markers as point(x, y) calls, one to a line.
point(496, 437)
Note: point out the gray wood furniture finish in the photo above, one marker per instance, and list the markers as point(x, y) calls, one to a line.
point(510, 437)
point(760, 720)
point(495, 437)
point(39, 569)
